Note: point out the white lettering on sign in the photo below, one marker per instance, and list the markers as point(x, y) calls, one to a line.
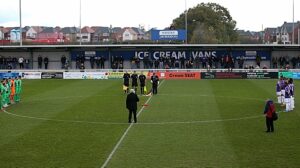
point(90, 53)
point(204, 54)
point(168, 33)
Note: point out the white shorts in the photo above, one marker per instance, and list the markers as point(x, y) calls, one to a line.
point(287, 100)
point(283, 92)
point(278, 93)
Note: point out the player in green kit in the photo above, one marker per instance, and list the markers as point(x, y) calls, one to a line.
point(18, 84)
point(1, 95)
point(7, 91)
point(4, 93)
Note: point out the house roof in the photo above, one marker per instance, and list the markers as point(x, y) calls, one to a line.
point(38, 29)
point(129, 29)
point(100, 29)
point(49, 30)
point(288, 26)
point(4, 30)
point(271, 30)
point(138, 30)
point(117, 30)
point(87, 30)
point(69, 30)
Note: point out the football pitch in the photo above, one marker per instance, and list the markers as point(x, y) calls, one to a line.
point(200, 123)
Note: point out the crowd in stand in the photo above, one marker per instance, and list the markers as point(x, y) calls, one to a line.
point(14, 63)
point(117, 62)
point(286, 62)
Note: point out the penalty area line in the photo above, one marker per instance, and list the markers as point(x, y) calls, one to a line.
point(125, 133)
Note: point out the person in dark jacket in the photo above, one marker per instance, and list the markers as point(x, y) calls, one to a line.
point(131, 105)
point(40, 61)
point(46, 61)
point(155, 83)
point(126, 78)
point(269, 110)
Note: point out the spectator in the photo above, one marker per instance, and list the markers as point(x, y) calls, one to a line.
point(294, 62)
point(63, 61)
point(40, 61)
point(97, 61)
point(197, 62)
point(156, 64)
point(241, 62)
point(14, 62)
point(102, 62)
point(46, 61)
point(274, 62)
point(258, 60)
point(281, 62)
point(1, 62)
point(77, 64)
point(21, 62)
point(26, 63)
point(203, 61)
point(182, 62)
point(92, 61)
point(82, 67)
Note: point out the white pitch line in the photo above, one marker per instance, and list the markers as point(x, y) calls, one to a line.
point(125, 133)
point(143, 123)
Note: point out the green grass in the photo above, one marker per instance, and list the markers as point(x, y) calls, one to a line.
point(188, 124)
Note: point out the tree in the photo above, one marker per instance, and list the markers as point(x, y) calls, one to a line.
point(208, 23)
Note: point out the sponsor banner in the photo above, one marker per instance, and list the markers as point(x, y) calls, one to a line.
point(285, 74)
point(95, 75)
point(262, 75)
point(52, 75)
point(85, 75)
point(294, 75)
point(168, 35)
point(230, 75)
point(182, 75)
point(208, 75)
point(73, 75)
point(161, 75)
point(31, 75)
point(8, 75)
point(115, 75)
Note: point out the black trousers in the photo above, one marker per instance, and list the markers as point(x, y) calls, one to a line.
point(154, 89)
point(270, 125)
point(130, 116)
point(142, 90)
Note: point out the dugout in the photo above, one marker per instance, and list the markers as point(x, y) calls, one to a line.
point(147, 52)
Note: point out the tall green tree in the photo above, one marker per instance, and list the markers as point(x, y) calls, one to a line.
point(208, 23)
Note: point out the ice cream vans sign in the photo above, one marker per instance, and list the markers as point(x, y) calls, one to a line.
point(174, 54)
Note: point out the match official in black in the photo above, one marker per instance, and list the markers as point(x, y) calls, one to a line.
point(134, 81)
point(142, 79)
point(126, 78)
point(131, 105)
point(155, 82)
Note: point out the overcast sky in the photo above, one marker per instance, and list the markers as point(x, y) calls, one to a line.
point(249, 14)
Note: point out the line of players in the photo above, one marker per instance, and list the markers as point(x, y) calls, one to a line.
point(10, 90)
point(142, 80)
point(285, 93)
